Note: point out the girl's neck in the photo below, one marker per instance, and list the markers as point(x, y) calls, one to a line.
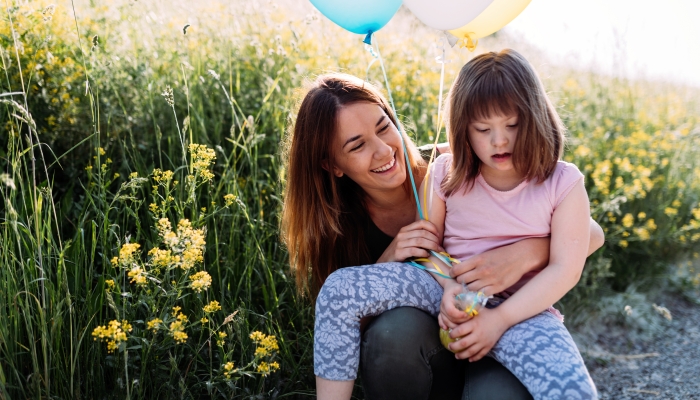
point(502, 180)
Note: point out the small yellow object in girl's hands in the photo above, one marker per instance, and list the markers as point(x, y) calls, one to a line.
point(469, 302)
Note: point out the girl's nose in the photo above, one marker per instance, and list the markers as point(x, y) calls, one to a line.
point(498, 138)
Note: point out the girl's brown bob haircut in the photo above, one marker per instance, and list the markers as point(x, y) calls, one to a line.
point(502, 84)
point(324, 218)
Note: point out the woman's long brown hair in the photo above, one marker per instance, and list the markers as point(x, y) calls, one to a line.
point(324, 218)
point(501, 84)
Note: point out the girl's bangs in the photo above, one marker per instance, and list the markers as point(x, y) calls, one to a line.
point(492, 95)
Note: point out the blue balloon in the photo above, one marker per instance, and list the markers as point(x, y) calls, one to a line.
point(358, 16)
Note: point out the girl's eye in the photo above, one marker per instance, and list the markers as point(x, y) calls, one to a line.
point(357, 147)
point(515, 125)
point(482, 130)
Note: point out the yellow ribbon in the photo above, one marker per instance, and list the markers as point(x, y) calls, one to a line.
point(468, 41)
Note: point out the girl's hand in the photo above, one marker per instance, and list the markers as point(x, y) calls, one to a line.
point(413, 240)
point(496, 270)
point(450, 317)
point(478, 335)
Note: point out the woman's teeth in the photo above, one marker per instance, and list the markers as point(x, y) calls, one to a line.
point(386, 167)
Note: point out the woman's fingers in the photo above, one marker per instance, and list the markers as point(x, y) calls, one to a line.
point(421, 225)
point(459, 270)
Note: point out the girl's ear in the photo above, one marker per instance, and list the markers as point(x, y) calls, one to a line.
point(337, 172)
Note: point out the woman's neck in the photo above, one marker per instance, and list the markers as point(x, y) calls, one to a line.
point(391, 210)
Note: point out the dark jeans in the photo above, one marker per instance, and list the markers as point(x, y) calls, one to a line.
point(402, 358)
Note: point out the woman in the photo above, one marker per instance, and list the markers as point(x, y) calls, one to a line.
point(348, 202)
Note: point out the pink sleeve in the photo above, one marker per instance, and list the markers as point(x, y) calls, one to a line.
point(564, 178)
point(440, 168)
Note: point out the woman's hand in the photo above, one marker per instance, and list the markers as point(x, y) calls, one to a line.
point(478, 335)
point(496, 270)
point(413, 240)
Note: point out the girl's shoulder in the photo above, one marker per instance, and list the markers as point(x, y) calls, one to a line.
point(438, 171)
point(441, 165)
point(562, 180)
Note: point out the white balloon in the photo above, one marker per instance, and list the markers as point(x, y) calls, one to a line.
point(446, 14)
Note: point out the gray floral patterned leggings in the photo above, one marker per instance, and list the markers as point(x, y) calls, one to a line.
point(538, 351)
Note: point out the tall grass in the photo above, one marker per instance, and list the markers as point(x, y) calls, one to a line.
point(100, 101)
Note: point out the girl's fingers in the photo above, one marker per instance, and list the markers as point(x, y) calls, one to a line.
point(469, 353)
point(462, 330)
point(479, 355)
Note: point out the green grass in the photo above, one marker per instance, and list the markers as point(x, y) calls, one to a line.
point(70, 202)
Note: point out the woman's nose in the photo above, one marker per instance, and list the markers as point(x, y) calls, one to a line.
point(383, 150)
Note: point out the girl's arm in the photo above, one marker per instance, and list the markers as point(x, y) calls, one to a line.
point(569, 246)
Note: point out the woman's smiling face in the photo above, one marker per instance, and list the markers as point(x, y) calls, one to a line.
point(367, 148)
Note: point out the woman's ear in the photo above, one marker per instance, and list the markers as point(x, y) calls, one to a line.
point(337, 172)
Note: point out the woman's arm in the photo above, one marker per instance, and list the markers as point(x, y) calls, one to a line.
point(569, 247)
point(496, 270)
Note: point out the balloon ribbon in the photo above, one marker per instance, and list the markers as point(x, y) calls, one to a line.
point(446, 259)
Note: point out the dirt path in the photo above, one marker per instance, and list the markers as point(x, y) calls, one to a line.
point(667, 367)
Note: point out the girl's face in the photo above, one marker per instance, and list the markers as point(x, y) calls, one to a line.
point(367, 148)
point(493, 141)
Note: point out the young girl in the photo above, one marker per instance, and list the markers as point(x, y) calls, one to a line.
point(502, 183)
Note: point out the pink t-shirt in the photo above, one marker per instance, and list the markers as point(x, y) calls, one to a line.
point(485, 218)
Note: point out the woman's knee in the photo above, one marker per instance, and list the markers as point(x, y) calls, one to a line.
point(393, 363)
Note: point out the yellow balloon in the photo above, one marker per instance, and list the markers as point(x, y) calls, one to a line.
point(497, 15)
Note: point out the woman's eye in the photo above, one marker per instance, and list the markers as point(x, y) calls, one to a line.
point(357, 147)
point(482, 130)
point(384, 128)
point(515, 125)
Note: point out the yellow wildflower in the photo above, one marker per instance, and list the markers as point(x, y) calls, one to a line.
point(137, 275)
point(642, 215)
point(114, 333)
point(110, 284)
point(623, 243)
point(202, 157)
point(133, 175)
point(126, 254)
point(229, 199)
point(204, 320)
point(161, 258)
point(670, 211)
point(200, 281)
point(651, 225)
point(177, 327)
point(627, 220)
point(229, 369)
point(643, 233)
point(213, 306)
point(154, 324)
point(264, 368)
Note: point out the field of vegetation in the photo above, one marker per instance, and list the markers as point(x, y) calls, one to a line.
point(141, 182)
